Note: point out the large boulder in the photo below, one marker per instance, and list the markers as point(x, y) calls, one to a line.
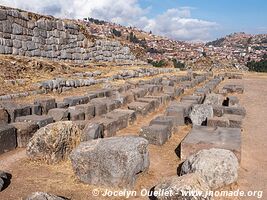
point(218, 167)
point(54, 142)
point(43, 196)
point(200, 113)
point(182, 187)
point(111, 162)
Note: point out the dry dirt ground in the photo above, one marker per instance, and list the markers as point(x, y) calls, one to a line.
point(28, 176)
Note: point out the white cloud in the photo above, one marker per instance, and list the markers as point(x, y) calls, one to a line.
point(176, 23)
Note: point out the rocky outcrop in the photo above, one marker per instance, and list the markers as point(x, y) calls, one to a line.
point(54, 142)
point(183, 188)
point(218, 167)
point(111, 162)
point(28, 34)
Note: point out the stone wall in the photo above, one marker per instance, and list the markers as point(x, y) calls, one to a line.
point(27, 34)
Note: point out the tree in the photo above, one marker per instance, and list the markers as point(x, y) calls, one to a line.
point(116, 33)
point(178, 64)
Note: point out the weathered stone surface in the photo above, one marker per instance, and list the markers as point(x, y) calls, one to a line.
point(200, 113)
point(234, 88)
point(169, 121)
point(178, 113)
point(46, 104)
point(235, 121)
point(195, 99)
point(234, 110)
point(62, 105)
point(125, 117)
point(88, 109)
point(218, 167)
point(156, 134)
point(24, 132)
point(73, 101)
point(41, 121)
point(3, 179)
point(141, 108)
point(177, 187)
point(218, 111)
point(111, 162)
point(92, 131)
point(3, 116)
point(153, 102)
point(232, 100)
point(214, 99)
point(202, 137)
point(76, 114)
point(59, 114)
point(43, 196)
point(100, 107)
point(218, 121)
point(16, 110)
point(8, 140)
point(54, 142)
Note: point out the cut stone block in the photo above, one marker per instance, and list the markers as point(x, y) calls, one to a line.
point(233, 100)
point(100, 107)
point(81, 123)
point(128, 116)
point(141, 108)
point(196, 99)
point(24, 132)
point(8, 139)
point(156, 134)
point(3, 116)
point(73, 101)
point(92, 131)
point(59, 114)
point(202, 137)
point(111, 162)
point(88, 109)
point(41, 121)
point(169, 121)
point(178, 113)
point(234, 110)
point(111, 125)
point(235, 121)
point(234, 88)
point(16, 110)
point(218, 110)
point(163, 98)
point(186, 106)
point(153, 102)
point(46, 104)
point(36, 109)
point(139, 92)
point(218, 121)
point(62, 105)
point(76, 115)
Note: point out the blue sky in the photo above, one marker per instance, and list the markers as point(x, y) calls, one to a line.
point(190, 20)
point(231, 15)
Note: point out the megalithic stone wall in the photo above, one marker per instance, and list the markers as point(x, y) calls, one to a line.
point(27, 34)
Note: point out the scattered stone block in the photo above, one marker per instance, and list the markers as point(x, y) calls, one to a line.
point(81, 123)
point(8, 138)
point(169, 121)
point(192, 98)
point(41, 121)
point(175, 187)
point(156, 134)
point(218, 111)
point(127, 116)
point(3, 116)
point(24, 132)
point(62, 105)
point(234, 110)
point(232, 100)
point(92, 131)
point(141, 108)
point(235, 121)
point(16, 110)
point(73, 101)
point(46, 104)
point(178, 113)
point(200, 113)
point(76, 115)
point(59, 114)
point(218, 167)
point(139, 92)
point(202, 137)
point(214, 99)
point(153, 102)
point(88, 109)
point(234, 88)
point(54, 142)
point(100, 107)
point(36, 109)
point(218, 121)
point(111, 162)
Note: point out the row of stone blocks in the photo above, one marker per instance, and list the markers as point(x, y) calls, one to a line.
point(28, 118)
point(222, 130)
